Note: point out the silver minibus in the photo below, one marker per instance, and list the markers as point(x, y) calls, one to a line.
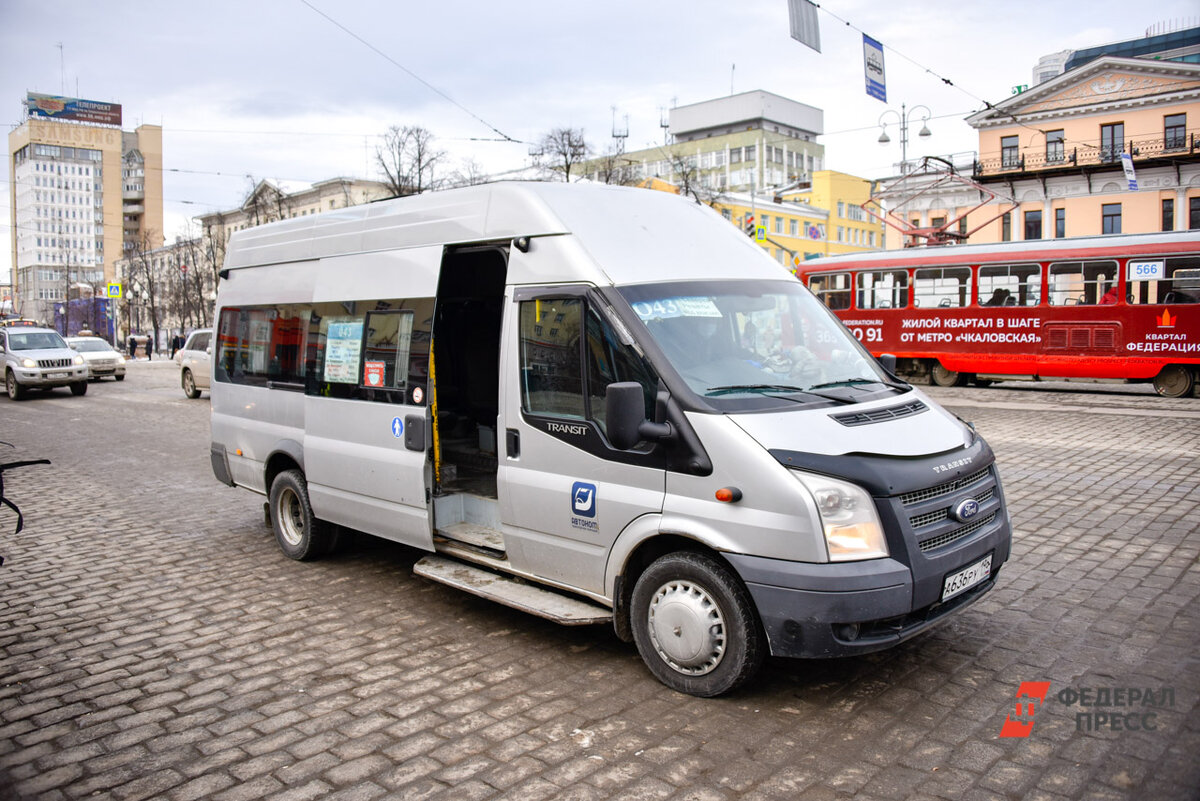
point(599, 405)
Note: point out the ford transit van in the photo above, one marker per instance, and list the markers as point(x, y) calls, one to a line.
point(599, 405)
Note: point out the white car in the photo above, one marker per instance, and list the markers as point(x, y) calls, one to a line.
point(102, 358)
point(37, 358)
point(195, 362)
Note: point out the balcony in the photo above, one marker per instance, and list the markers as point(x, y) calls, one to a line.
point(1172, 148)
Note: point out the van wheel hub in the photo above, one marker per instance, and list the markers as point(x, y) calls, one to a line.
point(686, 628)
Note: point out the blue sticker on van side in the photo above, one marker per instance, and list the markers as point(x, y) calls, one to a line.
point(583, 499)
point(397, 427)
point(583, 506)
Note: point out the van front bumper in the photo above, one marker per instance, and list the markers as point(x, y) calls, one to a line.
point(813, 611)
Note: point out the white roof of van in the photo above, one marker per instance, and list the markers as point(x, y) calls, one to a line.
point(633, 235)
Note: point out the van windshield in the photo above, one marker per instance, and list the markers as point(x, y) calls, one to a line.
point(756, 338)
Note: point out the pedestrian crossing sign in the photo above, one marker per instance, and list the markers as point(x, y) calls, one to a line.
point(114, 290)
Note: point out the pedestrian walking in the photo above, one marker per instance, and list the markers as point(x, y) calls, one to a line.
point(132, 346)
point(149, 346)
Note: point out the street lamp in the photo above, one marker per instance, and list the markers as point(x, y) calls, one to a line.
point(903, 115)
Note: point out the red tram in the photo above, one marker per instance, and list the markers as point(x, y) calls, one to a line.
point(1115, 307)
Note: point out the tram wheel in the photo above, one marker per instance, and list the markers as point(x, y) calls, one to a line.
point(946, 378)
point(1174, 381)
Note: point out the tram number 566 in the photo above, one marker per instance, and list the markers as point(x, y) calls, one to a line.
point(868, 334)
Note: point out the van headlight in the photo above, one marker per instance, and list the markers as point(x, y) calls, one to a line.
point(852, 527)
point(28, 363)
point(79, 360)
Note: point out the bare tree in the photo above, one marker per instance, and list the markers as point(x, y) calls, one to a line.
point(471, 173)
point(144, 280)
point(563, 148)
point(614, 167)
point(691, 181)
point(409, 160)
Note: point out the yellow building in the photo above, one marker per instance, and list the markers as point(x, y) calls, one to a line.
point(787, 231)
point(1053, 155)
point(851, 229)
point(82, 192)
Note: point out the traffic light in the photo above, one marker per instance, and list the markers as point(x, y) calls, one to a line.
point(748, 224)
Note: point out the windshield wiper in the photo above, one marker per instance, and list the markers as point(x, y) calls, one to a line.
point(846, 382)
point(714, 391)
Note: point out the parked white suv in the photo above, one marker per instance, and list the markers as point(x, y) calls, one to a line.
point(195, 362)
point(38, 358)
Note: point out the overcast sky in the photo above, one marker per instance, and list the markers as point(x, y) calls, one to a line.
point(274, 89)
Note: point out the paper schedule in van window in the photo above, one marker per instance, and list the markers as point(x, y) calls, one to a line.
point(676, 307)
point(343, 349)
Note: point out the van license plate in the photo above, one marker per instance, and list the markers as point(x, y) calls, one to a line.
point(967, 578)
point(57, 375)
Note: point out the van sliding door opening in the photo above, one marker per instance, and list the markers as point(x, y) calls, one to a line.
point(466, 369)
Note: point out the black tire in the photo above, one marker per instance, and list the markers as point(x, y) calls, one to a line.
point(79, 388)
point(188, 381)
point(1174, 381)
point(301, 536)
point(716, 644)
point(120, 377)
point(942, 377)
point(13, 387)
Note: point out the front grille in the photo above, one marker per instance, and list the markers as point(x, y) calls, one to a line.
point(880, 415)
point(942, 540)
point(939, 515)
point(53, 363)
point(929, 493)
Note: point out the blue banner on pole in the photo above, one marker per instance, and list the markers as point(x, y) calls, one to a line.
point(873, 68)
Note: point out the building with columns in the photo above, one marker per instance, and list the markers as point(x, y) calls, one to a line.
point(1056, 156)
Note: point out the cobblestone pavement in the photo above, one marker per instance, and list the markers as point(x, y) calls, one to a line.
point(155, 644)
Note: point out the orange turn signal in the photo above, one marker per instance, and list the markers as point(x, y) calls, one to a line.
point(729, 494)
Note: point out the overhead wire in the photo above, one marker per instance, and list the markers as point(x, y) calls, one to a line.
point(505, 137)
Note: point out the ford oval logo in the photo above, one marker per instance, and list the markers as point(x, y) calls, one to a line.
point(965, 510)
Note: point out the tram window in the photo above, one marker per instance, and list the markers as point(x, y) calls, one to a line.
point(832, 289)
point(1010, 284)
point(1081, 283)
point(883, 290)
point(942, 287)
point(1180, 282)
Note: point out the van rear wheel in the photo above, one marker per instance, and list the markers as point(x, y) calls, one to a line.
point(301, 536)
point(695, 625)
point(1174, 381)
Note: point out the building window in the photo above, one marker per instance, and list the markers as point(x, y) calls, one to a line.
point(1112, 141)
point(1060, 223)
point(1193, 213)
point(1110, 218)
point(1033, 224)
point(794, 227)
point(1175, 132)
point(841, 209)
point(1009, 149)
point(1055, 146)
point(1168, 214)
point(1006, 227)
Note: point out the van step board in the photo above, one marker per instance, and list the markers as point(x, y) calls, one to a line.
point(474, 534)
point(513, 592)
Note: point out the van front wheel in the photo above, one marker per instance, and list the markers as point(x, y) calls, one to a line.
point(695, 625)
point(300, 535)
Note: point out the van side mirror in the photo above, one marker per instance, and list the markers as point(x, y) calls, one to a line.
point(888, 362)
point(625, 416)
